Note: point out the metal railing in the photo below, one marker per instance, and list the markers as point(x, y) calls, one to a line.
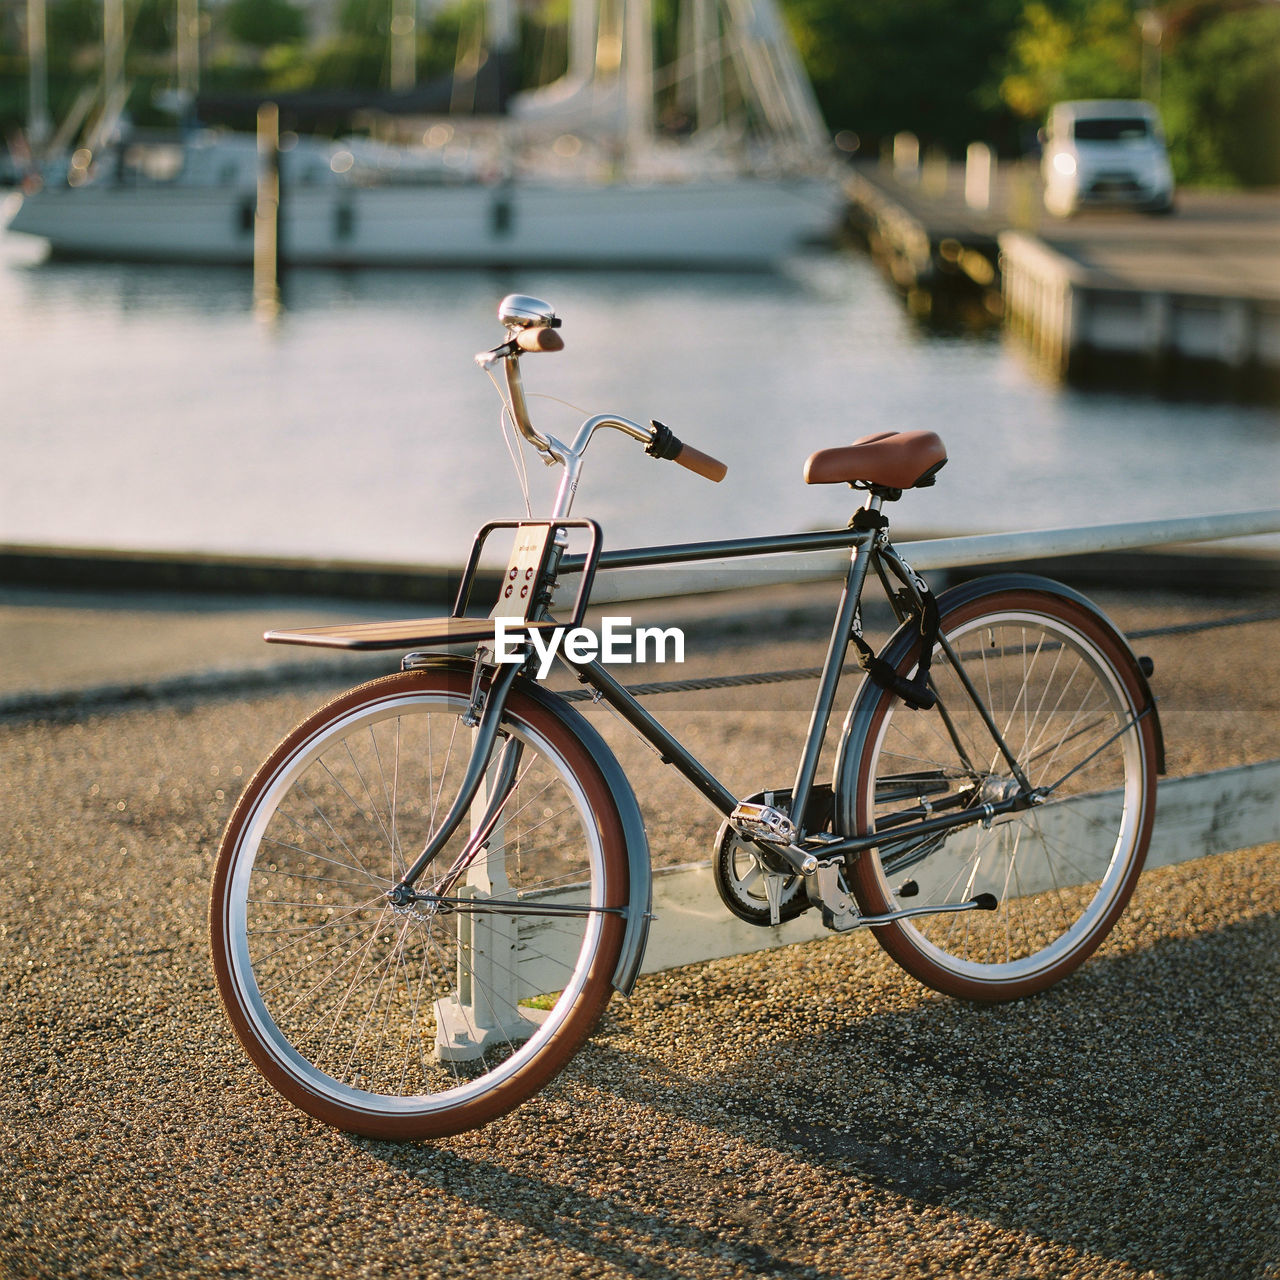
point(935, 553)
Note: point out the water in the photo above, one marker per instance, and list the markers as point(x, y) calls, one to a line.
point(147, 408)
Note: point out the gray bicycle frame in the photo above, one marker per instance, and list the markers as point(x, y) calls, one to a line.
point(861, 543)
point(868, 547)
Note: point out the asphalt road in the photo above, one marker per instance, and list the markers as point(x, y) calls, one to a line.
point(809, 1112)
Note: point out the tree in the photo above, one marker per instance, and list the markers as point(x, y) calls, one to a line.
point(1220, 82)
point(263, 23)
point(930, 66)
point(1221, 100)
point(1057, 55)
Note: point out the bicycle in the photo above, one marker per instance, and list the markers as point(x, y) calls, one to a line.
point(427, 894)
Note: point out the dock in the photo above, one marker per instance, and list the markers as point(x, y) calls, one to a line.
point(1183, 303)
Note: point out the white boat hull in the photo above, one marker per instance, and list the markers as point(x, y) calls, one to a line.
point(730, 223)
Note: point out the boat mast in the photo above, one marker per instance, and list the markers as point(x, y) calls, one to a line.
point(112, 51)
point(39, 125)
point(583, 27)
point(404, 37)
point(708, 89)
point(188, 49)
point(637, 62)
point(771, 66)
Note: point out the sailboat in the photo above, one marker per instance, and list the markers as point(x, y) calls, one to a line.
point(577, 173)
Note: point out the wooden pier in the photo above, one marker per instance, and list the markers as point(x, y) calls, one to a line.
point(1181, 303)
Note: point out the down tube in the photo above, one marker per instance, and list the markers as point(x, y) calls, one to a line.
point(670, 749)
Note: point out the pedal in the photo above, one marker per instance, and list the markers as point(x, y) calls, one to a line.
point(764, 823)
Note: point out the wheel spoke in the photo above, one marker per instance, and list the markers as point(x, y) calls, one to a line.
point(422, 1008)
point(1055, 688)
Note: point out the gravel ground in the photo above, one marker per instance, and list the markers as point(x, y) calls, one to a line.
point(806, 1112)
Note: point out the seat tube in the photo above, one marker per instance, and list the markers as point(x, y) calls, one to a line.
point(823, 702)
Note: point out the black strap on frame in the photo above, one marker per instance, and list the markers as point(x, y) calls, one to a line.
point(914, 692)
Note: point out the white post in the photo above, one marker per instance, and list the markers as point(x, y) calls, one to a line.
point(906, 156)
point(979, 168)
point(485, 1010)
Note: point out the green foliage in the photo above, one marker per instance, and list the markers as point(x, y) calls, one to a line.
point(1056, 55)
point(263, 23)
point(349, 62)
point(930, 66)
point(149, 26)
point(71, 24)
point(1221, 100)
point(365, 19)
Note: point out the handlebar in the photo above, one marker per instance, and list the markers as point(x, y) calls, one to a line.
point(665, 445)
point(539, 340)
point(531, 328)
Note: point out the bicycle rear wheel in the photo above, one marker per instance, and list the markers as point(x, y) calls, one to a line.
point(1065, 693)
point(426, 1019)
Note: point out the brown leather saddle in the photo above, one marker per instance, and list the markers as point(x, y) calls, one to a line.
point(887, 460)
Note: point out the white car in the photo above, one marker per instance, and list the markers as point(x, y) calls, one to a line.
point(1105, 153)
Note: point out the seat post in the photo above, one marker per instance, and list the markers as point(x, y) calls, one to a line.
point(869, 518)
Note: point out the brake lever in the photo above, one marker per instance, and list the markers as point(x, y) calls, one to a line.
point(487, 359)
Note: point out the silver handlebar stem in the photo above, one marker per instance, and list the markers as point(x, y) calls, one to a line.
point(571, 455)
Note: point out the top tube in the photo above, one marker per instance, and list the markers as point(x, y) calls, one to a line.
point(724, 549)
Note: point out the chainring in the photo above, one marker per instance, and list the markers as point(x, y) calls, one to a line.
point(740, 868)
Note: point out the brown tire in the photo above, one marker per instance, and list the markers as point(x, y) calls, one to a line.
point(1074, 712)
point(426, 1019)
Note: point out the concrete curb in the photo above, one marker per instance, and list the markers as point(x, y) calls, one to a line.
point(87, 568)
point(55, 704)
point(90, 568)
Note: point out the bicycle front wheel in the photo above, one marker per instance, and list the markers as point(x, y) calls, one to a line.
point(1072, 713)
point(423, 1019)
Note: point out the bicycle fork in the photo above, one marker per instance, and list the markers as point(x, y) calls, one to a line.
point(484, 715)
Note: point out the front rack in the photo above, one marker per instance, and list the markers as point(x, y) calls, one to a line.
point(524, 590)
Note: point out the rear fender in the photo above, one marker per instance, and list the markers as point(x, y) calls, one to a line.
point(902, 644)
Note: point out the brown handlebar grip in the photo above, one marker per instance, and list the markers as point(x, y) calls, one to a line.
point(703, 463)
point(539, 340)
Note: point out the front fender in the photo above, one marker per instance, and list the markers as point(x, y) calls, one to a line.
point(640, 875)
